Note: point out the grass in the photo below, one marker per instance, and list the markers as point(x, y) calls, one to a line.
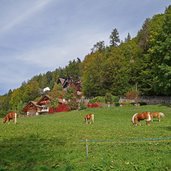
point(56, 142)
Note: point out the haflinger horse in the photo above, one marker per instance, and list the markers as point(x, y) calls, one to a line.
point(137, 117)
point(89, 118)
point(157, 115)
point(10, 116)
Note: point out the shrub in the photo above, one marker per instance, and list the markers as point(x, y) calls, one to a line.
point(97, 99)
point(142, 103)
point(93, 105)
point(117, 104)
point(73, 104)
point(108, 98)
point(62, 108)
point(115, 99)
point(82, 106)
point(132, 94)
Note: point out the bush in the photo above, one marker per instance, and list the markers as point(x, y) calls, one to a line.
point(62, 108)
point(82, 106)
point(108, 98)
point(115, 99)
point(73, 104)
point(142, 103)
point(97, 99)
point(117, 104)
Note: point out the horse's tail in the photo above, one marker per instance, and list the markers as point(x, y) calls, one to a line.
point(162, 114)
point(133, 120)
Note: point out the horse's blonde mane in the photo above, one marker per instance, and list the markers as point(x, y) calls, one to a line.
point(134, 117)
point(149, 117)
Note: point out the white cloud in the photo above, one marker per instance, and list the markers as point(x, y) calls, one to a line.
point(24, 15)
point(78, 44)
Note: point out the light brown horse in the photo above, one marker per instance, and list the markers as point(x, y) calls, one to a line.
point(137, 117)
point(157, 115)
point(89, 118)
point(10, 116)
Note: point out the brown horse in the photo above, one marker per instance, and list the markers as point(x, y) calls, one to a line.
point(10, 116)
point(137, 117)
point(89, 118)
point(157, 115)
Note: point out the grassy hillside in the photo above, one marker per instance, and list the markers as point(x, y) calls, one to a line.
point(56, 142)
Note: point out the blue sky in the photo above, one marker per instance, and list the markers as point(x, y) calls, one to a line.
point(37, 36)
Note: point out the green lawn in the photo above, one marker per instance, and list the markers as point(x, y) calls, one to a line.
point(56, 142)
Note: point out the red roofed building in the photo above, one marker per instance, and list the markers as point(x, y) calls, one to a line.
point(36, 108)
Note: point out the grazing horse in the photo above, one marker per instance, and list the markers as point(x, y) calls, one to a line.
point(10, 116)
point(137, 117)
point(89, 118)
point(156, 115)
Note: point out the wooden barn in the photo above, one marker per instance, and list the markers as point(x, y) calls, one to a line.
point(36, 108)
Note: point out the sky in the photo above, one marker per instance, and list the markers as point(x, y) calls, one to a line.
point(37, 36)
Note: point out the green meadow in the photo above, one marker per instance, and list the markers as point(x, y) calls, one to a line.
point(57, 142)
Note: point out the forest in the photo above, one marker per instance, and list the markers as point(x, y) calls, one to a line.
point(141, 63)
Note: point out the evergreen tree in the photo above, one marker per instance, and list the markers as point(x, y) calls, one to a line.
point(114, 38)
point(99, 46)
point(128, 38)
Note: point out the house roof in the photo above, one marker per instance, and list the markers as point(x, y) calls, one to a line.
point(29, 104)
point(44, 98)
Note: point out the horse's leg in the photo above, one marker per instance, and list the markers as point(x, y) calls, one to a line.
point(148, 119)
point(92, 118)
point(148, 123)
point(15, 118)
point(136, 122)
point(151, 118)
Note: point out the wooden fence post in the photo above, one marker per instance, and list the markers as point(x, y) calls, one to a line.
point(86, 148)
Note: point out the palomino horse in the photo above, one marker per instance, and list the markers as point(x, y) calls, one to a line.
point(156, 115)
point(137, 117)
point(89, 118)
point(10, 116)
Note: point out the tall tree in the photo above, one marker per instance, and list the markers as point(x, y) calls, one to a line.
point(143, 35)
point(147, 40)
point(16, 98)
point(73, 69)
point(115, 77)
point(128, 38)
point(92, 74)
point(99, 46)
point(114, 38)
point(160, 53)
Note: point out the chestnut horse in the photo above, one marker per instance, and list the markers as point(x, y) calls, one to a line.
point(156, 115)
point(10, 116)
point(137, 117)
point(89, 118)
